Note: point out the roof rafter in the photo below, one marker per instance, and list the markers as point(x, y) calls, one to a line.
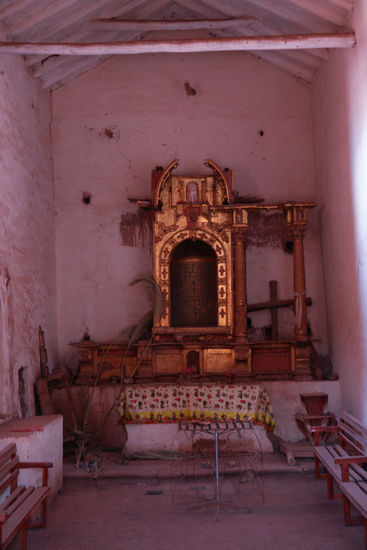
point(249, 43)
point(165, 24)
point(277, 11)
point(320, 10)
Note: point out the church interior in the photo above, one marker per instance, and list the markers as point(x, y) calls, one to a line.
point(182, 223)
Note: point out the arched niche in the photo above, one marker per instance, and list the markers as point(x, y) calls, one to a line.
point(193, 285)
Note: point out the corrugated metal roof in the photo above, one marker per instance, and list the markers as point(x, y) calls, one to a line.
point(80, 21)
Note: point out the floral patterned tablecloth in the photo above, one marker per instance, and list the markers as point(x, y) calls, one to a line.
point(163, 403)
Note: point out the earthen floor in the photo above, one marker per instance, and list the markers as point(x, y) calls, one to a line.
point(122, 512)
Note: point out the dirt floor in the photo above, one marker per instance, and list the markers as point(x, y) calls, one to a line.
point(138, 513)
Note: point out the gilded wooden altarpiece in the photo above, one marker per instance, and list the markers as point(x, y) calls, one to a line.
point(189, 209)
point(199, 262)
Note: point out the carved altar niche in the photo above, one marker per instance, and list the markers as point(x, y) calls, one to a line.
point(192, 241)
point(193, 265)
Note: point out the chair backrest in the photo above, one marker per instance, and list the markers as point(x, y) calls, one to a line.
point(8, 467)
point(353, 432)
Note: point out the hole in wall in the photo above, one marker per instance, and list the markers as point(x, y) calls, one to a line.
point(87, 197)
point(189, 89)
point(288, 247)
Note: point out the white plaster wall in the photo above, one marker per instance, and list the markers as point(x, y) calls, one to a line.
point(340, 137)
point(27, 259)
point(114, 124)
point(273, 263)
point(286, 402)
point(38, 439)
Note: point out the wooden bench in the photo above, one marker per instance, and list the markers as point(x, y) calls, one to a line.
point(343, 462)
point(21, 503)
point(345, 454)
point(355, 494)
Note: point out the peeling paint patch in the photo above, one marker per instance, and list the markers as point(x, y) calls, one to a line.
point(136, 228)
point(7, 384)
point(111, 132)
point(24, 409)
point(267, 230)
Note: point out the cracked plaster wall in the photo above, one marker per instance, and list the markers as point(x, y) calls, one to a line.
point(113, 125)
point(27, 257)
point(340, 139)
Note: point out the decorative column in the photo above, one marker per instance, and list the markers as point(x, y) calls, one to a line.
point(240, 295)
point(240, 302)
point(296, 221)
point(300, 307)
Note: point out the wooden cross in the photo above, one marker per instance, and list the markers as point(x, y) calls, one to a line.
point(273, 304)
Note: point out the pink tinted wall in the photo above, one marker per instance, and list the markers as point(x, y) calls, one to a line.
point(114, 124)
point(27, 258)
point(340, 137)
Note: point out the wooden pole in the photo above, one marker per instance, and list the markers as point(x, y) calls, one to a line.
point(269, 305)
point(250, 43)
point(148, 25)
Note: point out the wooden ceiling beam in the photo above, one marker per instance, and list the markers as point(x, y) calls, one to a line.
point(258, 28)
point(71, 71)
point(287, 64)
point(56, 65)
point(8, 9)
point(322, 11)
point(281, 12)
point(55, 28)
point(147, 25)
point(250, 43)
point(203, 10)
point(40, 16)
point(346, 4)
point(81, 34)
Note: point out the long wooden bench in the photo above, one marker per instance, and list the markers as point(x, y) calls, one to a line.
point(345, 454)
point(21, 503)
point(343, 461)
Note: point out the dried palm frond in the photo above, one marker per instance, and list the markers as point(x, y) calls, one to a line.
point(145, 324)
point(124, 335)
point(156, 295)
point(134, 333)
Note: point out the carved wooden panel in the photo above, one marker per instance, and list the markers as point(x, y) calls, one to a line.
point(168, 361)
point(219, 360)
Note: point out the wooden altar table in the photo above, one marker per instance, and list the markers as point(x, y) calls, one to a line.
point(167, 403)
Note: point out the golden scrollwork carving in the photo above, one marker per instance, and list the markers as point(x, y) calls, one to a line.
point(163, 230)
point(224, 229)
